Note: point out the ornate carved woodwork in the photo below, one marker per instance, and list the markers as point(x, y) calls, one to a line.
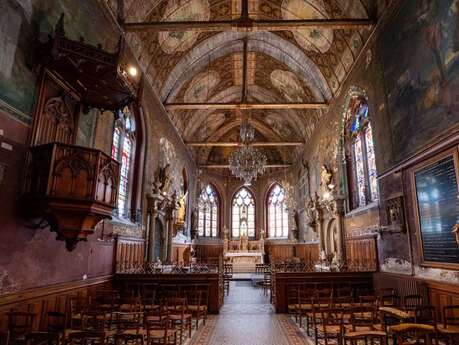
point(67, 187)
point(72, 187)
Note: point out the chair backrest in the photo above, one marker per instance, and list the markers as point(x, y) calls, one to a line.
point(42, 338)
point(411, 302)
point(416, 334)
point(363, 316)
point(86, 337)
point(328, 316)
point(177, 305)
point(19, 323)
point(56, 321)
point(93, 321)
point(426, 314)
point(128, 321)
point(451, 315)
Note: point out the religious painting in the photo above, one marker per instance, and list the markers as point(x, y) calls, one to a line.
point(176, 11)
point(201, 87)
point(288, 85)
point(421, 72)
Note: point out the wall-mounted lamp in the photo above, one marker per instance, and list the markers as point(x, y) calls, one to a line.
point(132, 70)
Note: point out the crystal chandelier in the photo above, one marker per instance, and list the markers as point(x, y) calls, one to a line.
point(247, 162)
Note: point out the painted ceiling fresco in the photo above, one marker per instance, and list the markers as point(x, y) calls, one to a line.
point(303, 65)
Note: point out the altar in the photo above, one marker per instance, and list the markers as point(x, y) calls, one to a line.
point(243, 254)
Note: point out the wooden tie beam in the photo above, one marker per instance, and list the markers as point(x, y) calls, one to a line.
point(249, 25)
point(245, 106)
point(234, 144)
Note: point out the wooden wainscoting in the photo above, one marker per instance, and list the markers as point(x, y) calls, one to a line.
point(362, 253)
point(308, 251)
point(50, 298)
point(180, 253)
point(129, 251)
point(279, 252)
point(208, 251)
point(435, 293)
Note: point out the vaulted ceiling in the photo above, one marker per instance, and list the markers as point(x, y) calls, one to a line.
point(249, 51)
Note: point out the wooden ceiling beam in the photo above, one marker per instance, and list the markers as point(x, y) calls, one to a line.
point(236, 144)
point(245, 106)
point(249, 25)
point(226, 166)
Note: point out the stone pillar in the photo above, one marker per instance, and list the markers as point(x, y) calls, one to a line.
point(339, 215)
point(152, 212)
point(169, 233)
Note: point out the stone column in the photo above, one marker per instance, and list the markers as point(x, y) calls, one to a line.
point(169, 232)
point(339, 215)
point(152, 214)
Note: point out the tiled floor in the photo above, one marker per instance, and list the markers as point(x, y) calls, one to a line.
point(247, 318)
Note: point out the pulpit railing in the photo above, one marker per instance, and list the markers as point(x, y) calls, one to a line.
point(126, 267)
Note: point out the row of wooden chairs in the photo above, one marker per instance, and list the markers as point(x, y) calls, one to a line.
point(174, 307)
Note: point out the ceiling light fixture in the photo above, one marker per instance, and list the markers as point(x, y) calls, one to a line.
point(132, 71)
point(246, 162)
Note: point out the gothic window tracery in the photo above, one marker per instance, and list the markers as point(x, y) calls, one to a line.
point(123, 147)
point(277, 212)
point(361, 154)
point(243, 214)
point(208, 208)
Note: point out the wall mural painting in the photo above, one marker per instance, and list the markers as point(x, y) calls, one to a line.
point(201, 87)
point(25, 22)
point(317, 40)
point(288, 85)
point(422, 71)
point(182, 10)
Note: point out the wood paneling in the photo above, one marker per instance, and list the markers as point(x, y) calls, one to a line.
point(282, 281)
point(204, 252)
point(362, 254)
point(129, 252)
point(435, 293)
point(180, 253)
point(279, 252)
point(308, 251)
point(49, 298)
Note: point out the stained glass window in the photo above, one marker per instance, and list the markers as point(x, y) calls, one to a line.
point(122, 151)
point(277, 212)
point(243, 214)
point(360, 135)
point(208, 212)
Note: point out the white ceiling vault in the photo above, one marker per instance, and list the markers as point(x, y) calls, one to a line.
point(283, 59)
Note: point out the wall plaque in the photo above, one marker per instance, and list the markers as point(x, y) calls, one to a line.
point(438, 210)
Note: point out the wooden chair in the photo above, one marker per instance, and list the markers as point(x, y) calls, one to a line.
point(129, 328)
point(449, 329)
point(304, 306)
point(327, 325)
point(19, 324)
point(180, 316)
point(94, 321)
point(227, 276)
point(163, 333)
point(4, 338)
point(267, 283)
point(197, 305)
point(411, 302)
point(363, 327)
point(414, 334)
point(42, 338)
point(76, 308)
point(86, 338)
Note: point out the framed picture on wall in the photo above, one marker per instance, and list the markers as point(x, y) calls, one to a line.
point(436, 194)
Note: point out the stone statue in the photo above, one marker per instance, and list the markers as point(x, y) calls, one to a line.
point(181, 213)
point(163, 180)
point(326, 177)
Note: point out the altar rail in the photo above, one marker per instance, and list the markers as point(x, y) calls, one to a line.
point(212, 281)
point(284, 281)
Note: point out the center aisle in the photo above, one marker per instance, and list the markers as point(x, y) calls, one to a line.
point(247, 318)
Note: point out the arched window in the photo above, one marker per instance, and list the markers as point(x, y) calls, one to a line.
point(123, 147)
point(277, 212)
point(361, 154)
point(208, 205)
point(243, 214)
